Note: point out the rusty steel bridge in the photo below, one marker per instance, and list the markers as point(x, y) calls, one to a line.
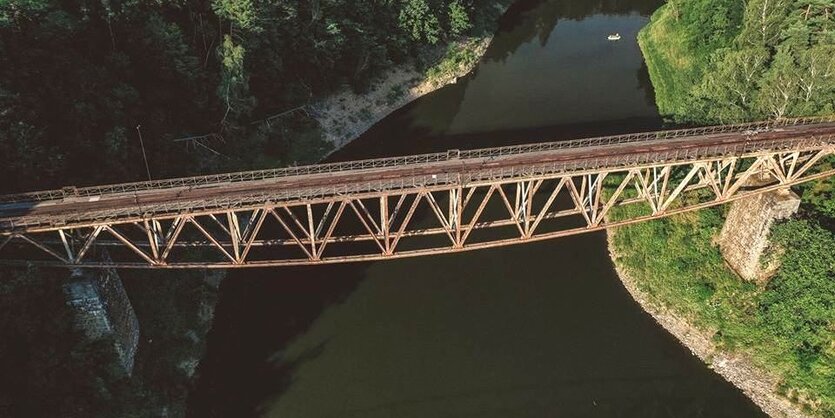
point(414, 205)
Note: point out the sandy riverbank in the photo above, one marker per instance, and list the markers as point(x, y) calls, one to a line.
point(759, 385)
point(345, 115)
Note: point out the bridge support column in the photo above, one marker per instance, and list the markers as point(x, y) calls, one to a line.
point(102, 310)
point(744, 236)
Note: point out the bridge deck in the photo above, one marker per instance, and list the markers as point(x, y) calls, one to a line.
point(70, 206)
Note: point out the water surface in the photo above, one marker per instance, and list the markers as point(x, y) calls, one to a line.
point(536, 330)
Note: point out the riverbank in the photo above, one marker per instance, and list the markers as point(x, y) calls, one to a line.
point(345, 115)
point(759, 385)
point(673, 68)
point(772, 340)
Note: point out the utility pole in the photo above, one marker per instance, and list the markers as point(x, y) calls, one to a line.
point(144, 157)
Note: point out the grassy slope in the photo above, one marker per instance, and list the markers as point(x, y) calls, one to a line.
point(676, 264)
point(673, 67)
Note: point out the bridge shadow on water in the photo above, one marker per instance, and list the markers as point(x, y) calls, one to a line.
point(537, 330)
point(241, 367)
point(534, 330)
point(383, 139)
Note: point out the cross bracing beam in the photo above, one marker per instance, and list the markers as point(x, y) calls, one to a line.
point(451, 206)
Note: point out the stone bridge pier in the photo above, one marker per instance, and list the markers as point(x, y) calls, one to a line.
point(101, 309)
point(744, 236)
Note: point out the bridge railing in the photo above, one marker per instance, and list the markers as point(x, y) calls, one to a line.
point(218, 179)
point(469, 175)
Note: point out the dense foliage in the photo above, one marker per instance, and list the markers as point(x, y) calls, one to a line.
point(51, 370)
point(82, 83)
point(726, 60)
point(787, 327)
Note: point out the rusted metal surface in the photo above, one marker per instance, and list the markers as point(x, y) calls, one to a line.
point(414, 205)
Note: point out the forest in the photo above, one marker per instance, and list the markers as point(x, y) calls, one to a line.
point(725, 61)
point(81, 81)
point(206, 86)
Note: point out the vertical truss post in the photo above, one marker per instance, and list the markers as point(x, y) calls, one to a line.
point(385, 223)
point(311, 232)
point(655, 179)
point(522, 205)
point(794, 157)
point(729, 176)
point(665, 183)
point(455, 208)
point(234, 235)
point(152, 239)
point(67, 244)
point(156, 228)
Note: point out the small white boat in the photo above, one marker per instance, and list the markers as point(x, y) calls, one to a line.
point(614, 37)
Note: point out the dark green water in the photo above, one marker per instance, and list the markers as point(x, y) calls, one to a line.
point(537, 330)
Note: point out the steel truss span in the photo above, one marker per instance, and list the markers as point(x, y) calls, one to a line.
point(411, 206)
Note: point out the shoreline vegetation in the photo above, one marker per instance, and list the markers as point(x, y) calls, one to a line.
point(722, 61)
point(758, 384)
point(346, 114)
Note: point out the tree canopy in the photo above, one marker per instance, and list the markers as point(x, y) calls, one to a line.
point(79, 81)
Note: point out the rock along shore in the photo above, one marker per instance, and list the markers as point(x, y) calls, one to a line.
point(757, 384)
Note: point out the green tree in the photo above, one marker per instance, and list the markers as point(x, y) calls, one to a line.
point(763, 22)
point(419, 21)
point(459, 20)
point(233, 87)
point(729, 87)
point(797, 306)
point(816, 79)
point(13, 11)
point(779, 88)
point(241, 13)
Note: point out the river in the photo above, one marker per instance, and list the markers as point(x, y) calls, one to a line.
point(537, 330)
